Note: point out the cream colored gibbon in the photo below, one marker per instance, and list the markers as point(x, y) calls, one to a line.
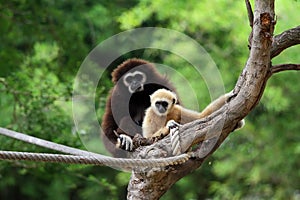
point(164, 108)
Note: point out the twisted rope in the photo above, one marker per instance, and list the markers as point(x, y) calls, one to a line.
point(80, 156)
point(92, 160)
point(175, 141)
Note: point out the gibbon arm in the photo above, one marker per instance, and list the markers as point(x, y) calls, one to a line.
point(216, 104)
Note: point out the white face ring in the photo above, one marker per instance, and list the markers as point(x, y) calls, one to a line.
point(133, 74)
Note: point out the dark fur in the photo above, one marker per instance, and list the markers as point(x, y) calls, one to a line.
point(129, 109)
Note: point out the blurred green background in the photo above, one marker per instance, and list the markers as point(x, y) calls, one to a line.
point(43, 44)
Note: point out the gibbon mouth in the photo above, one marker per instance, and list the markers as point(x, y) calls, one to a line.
point(137, 88)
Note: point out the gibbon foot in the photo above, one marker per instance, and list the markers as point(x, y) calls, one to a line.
point(240, 125)
point(229, 96)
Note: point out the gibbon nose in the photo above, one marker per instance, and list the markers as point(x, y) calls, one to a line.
point(160, 108)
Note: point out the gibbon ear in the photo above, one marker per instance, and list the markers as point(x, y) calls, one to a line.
point(174, 100)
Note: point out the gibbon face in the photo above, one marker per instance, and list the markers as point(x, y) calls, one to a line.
point(134, 81)
point(162, 101)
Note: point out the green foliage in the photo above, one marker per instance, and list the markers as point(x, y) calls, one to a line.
point(42, 46)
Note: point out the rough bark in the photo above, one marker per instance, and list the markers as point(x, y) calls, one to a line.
point(153, 183)
point(285, 40)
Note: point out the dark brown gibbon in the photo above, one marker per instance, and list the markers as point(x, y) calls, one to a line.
point(134, 81)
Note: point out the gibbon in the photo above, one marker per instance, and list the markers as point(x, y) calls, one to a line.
point(164, 110)
point(134, 80)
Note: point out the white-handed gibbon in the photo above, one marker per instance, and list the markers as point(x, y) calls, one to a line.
point(134, 80)
point(164, 109)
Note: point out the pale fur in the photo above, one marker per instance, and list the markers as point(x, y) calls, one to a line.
point(154, 123)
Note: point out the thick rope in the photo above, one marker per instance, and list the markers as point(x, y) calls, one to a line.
point(44, 143)
point(45, 157)
point(81, 155)
point(175, 141)
point(92, 160)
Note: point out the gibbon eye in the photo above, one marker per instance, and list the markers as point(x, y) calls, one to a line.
point(128, 79)
point(164, 104)
point(138, 77)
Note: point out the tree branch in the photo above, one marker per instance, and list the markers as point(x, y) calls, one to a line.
point(284, 67)
point(250, 18)
point(213, 130)
point(285, 40)
point(250, 13)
